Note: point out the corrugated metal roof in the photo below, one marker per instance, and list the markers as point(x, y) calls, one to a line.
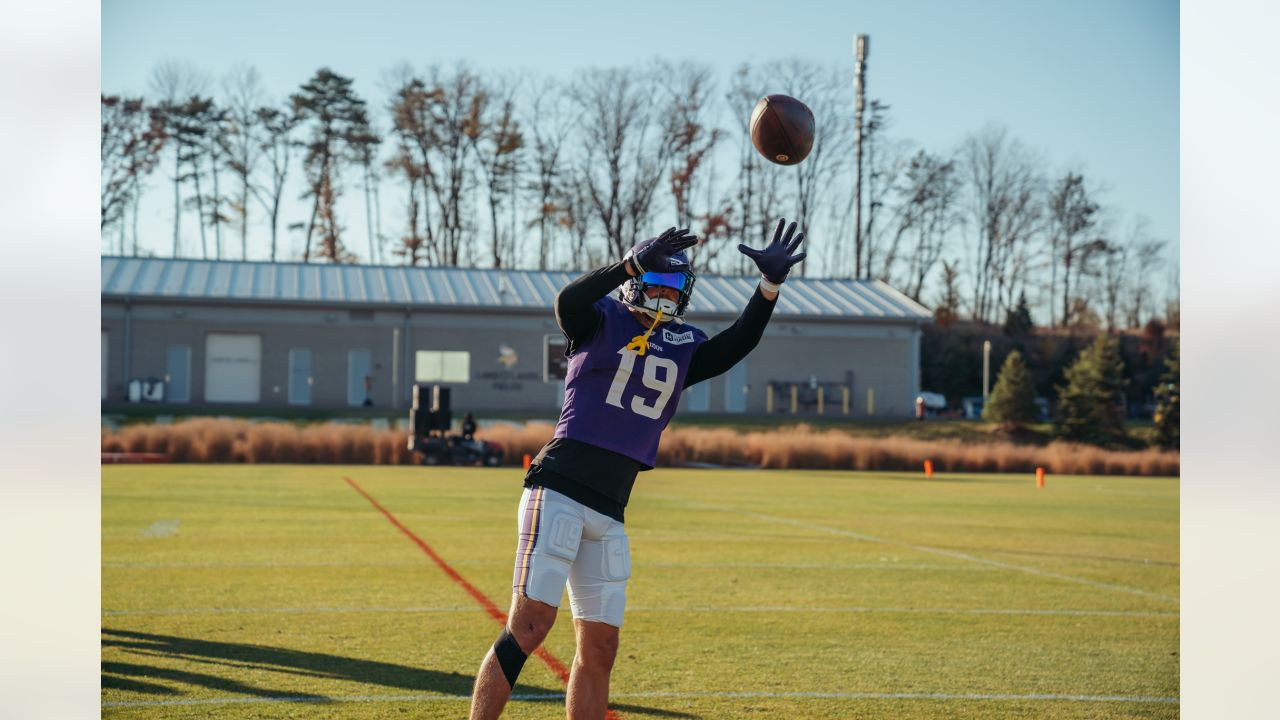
point(298, 283)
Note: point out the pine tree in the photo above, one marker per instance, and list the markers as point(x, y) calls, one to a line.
point(187, 123)
point(1013, 401)
point(1090, 406)
point(1017, 321)
point(1167, 394)
point(132, 137)
point(328, 102)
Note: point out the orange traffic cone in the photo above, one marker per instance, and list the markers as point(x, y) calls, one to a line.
point(928, 468)
point(1039, 477)
point(528, 460)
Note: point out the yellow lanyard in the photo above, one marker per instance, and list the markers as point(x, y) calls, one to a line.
point(640, 343)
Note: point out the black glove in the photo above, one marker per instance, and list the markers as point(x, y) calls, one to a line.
point(654, 254)
point(775, 261)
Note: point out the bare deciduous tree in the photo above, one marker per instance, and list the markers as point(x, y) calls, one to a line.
point(822, 89)
point(1147, 254)
point(621, 165)
point(1114, 269)
point(414, 126)
point(1072, 213)
point(437, 120)
point(617, 147)
point(364, 141)
point(756, 193)
point(948, 308)
point(1173, 298)
point(215, 150)
point(1005, 191)
point(243, 141)
point(550, 123)
point(173, 83)
point(926, 210)
point(687, 142)
point(576, 217)
point(888, 161)
point(497, 144)
point(276, 144)
point(885, 161)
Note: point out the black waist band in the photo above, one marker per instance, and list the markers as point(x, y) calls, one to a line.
point(598, 478)
point(574, 490)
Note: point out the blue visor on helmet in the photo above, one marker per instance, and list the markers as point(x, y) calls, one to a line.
point(676, 280)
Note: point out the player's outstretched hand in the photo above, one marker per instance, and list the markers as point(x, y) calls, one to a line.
point(776, 259)
point(654, 254)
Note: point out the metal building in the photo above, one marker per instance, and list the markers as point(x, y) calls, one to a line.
point(218, 334)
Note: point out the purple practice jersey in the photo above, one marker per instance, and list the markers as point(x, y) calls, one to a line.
point(617, 399)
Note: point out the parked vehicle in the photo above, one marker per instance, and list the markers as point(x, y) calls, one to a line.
point(431, 420)
point(455, 450)
point(972, 407)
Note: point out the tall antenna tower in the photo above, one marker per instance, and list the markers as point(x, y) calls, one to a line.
point(861, 48)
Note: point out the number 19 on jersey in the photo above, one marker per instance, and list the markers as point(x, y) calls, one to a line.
point(659, 374)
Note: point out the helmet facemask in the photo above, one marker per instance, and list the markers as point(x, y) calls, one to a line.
point(681, 280)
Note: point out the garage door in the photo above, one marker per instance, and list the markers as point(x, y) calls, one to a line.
point(232, 367)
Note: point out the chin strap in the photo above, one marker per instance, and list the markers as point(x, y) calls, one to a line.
point(640, 343)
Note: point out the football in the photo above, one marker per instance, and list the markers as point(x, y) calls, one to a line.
point(782, 129)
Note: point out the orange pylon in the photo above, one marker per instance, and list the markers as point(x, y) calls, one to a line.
point(928, 468)
point(528, 460)
point(1039, 477)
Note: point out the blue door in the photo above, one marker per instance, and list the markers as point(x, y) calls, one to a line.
point(178, 373)
point(300, 378)
point(359, 374)
point(735, 388)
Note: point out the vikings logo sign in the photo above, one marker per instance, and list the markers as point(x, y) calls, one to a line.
point(507, 356)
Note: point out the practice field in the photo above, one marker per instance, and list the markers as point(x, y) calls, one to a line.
point(360, 592)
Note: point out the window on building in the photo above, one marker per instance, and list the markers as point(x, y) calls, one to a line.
point(300, 378)
point(177, 373)
point(442, 366)
point(555, 366)
point(359, 376)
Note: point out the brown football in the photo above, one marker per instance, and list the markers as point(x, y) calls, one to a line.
point(782, 129)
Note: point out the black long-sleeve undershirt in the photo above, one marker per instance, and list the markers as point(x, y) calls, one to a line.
point(574, 304)
point(731, 345)
point(579, 321)
point(602, 479)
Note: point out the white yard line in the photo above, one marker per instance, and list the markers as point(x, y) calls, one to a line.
point(922, 548)
point(261, 564)
point(919, 611)
point(1037, 697)
point(657, 609)
point(289, 610)
point(883, 565)
point(886, 565)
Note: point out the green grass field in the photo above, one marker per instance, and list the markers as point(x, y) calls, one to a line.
point(280, 592)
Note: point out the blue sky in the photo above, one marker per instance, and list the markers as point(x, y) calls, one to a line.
point(1091, 85)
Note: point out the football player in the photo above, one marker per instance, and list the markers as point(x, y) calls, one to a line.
point(630, 357)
